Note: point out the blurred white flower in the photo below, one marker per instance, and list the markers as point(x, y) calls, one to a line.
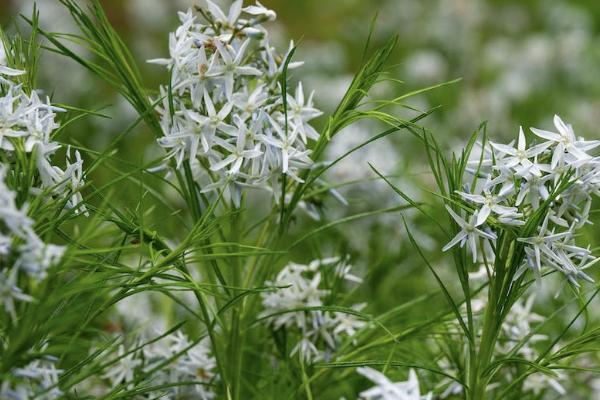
point(300, 286)
point(18, 238)
point(122, 371)
point(260, 11)
point(10, 292)
point(539, 382)
point(387, 390)
point(189, 362)
point(37, 380)
point(426, 66)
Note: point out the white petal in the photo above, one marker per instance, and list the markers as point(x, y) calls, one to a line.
point(460, 236)
point(483, 214)
point(10, 71)
point(552, 136)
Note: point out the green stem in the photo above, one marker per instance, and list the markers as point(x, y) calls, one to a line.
point(236, 344)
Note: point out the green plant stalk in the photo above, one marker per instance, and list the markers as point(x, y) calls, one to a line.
point(499, 304)
point(237, 342)
point(477, 382)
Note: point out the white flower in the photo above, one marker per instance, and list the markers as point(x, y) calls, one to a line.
point(301, 112)
point(286, 143)
point(40, 375)
point(211, 122)
point(564, 263)
point(307, 350)
point(568, 148)
point(541, 246)
point(238, 152)
point(249, 103)
point(123, 370)
point(10, 292)
point(33, 256)
point(19, 392)
point(270, 57)
point(260, 11)
point(231, 66)
point(12, 112)
point(535, 187)
point(15, 219)
point(342, 269)
point(492, 203)
point(181, 141)
point(26, 119)
point(189, 362)
point(73, 178)
point(300, 286)
point(519, 158)
point(539, 382)
point(387, 390)
point(228, 21)
point(469, 233)
point(302, 292)
point(348, 324)
point(37, 256)
point(517, 326)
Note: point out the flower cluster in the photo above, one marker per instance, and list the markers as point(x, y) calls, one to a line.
point(557, 176)
point(179, 360)
point(385, 389)
point(20, 243)
point(37, 380)
point(224, 110)
point(26, 126)
point(192, 362)
point(301, 286)
point(516, 328)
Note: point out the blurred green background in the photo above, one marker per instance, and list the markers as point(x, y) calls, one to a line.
point(520, 61)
